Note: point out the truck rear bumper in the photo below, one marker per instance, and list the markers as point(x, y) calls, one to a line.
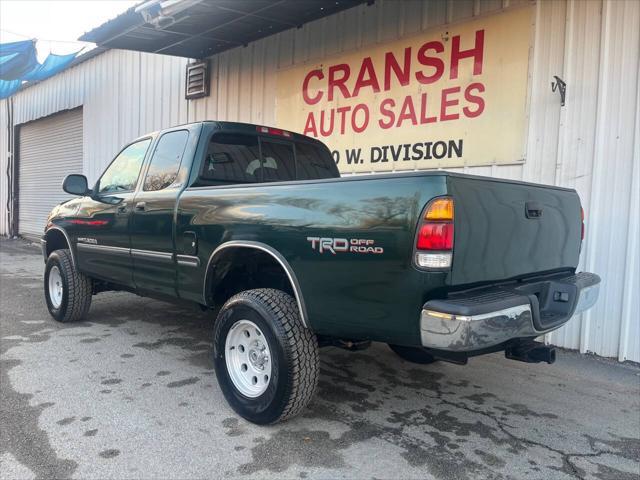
point(493, 316)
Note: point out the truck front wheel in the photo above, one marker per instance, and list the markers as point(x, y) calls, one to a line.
point(266, 361)
point(67, 292)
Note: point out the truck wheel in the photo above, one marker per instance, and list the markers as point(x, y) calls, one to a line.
point(413, 354)
point(67, 291)
point(266, 361)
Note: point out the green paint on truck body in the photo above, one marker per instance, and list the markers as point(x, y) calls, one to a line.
point(371, 295)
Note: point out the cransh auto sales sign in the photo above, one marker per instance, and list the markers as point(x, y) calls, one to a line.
point(449, 97)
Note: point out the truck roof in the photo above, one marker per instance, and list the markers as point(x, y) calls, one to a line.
point(239, 127)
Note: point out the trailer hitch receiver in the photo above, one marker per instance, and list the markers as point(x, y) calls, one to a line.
point(531, 352)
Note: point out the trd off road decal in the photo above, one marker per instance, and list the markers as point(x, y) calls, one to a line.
point(338, 245)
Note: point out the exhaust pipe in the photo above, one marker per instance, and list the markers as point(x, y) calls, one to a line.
point(531, 352)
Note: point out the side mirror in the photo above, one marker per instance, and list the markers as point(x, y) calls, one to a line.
point(76, 185)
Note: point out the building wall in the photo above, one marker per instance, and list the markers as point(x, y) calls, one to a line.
point(591, 144)
point(4, 159)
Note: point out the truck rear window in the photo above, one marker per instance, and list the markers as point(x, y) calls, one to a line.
point(236, 158)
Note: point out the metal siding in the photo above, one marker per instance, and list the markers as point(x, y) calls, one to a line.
point(577, 121)
point(4, 160)
point(124, 95)
point(49, 149)
point(591, 144)
point(610, 242)
point(630, 326)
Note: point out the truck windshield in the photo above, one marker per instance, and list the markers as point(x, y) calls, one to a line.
point(235, 158)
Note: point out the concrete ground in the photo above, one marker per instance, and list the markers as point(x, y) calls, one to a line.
point(131, 393)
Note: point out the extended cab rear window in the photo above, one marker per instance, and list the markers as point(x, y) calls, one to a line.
point(241, 158)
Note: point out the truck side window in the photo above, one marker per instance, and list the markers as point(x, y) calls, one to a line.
point(231, 158)
point(314, 162)
point(166, 160)
point(122, 174)
point(278, 162)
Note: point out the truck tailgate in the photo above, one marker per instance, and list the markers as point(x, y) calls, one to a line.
point(506, 230)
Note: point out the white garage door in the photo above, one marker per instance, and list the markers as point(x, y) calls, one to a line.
point(50, 149)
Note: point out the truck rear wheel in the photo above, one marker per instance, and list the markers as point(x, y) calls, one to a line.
point(67, 292)
point(266, 361)
point(413, 354)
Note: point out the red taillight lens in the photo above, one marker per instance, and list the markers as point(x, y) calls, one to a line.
point(435, 236)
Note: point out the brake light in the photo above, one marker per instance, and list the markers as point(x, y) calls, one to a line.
point(274, 131)
point(434, 243)
point(435, 236)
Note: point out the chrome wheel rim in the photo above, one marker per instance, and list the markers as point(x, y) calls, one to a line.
point(248, 358)
point(55, 287)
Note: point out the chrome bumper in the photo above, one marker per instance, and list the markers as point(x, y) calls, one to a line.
point(443, 330)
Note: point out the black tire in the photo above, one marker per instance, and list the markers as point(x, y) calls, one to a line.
point(294, 355)
point(77, 289)
point(413, 354)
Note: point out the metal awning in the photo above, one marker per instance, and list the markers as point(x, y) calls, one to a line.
point(201, 28)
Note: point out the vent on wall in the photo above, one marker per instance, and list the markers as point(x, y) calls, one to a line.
point(197, 83)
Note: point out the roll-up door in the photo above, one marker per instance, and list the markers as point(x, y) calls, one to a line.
point(50, 149)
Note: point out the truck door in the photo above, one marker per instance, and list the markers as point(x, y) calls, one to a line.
point(152, 217)
point(101, 225)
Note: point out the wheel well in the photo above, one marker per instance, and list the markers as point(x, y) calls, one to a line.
point(237, 269)
point(55, 241)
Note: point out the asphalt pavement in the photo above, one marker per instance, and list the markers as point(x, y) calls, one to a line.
point(131, 393)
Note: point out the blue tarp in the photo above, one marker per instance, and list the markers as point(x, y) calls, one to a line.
point(18, 63)
point(52, 65)
point(17, 59)
point(9, 87)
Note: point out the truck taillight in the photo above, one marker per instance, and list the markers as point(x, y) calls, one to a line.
point(434, 242)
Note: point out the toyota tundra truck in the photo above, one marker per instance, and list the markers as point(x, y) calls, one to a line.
point(256, 224)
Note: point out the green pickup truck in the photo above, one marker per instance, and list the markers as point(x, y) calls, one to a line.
point(256, 224)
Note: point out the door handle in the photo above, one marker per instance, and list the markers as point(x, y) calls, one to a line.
point(122, 208)
point(141, 206)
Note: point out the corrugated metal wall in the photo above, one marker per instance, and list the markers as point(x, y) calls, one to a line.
point(590, 144)
point(124, 95)
point(4, 159)
point(50, 148)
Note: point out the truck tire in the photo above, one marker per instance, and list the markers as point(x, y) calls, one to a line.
point(413, 354)
point(266, 361)
point(67, 292)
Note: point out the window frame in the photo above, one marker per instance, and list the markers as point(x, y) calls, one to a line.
point(197, 179)
point(147, 164)
point(290, 143)
point(142, 166)
point(313, 145)
point(224, 183)
point(260, 138)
